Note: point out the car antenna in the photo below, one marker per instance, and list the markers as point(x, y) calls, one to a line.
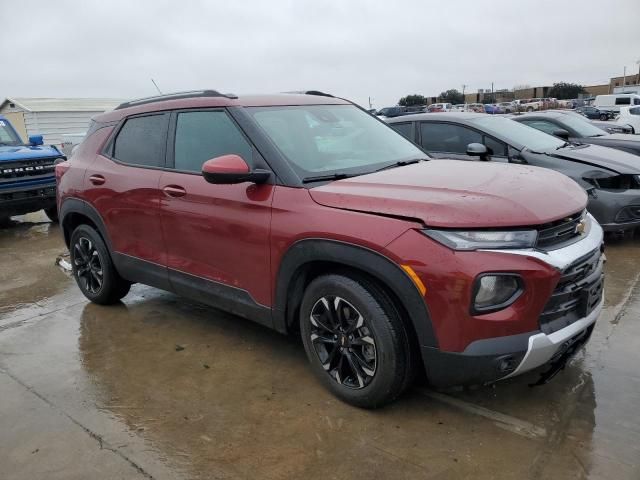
point(156, 85)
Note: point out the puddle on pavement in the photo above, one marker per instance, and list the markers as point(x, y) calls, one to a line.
point(237, 400)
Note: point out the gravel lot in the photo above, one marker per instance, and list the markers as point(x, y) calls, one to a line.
point(160, 387)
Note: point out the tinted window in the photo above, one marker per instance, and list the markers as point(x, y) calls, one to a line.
point(634, 111)
point(517, 134)
point(141, 141)
point(498, 148)
point(446, 137)
point(542, 125)
point(403, 129)
point(201, 136)
point(623, 101)
point(636, 101)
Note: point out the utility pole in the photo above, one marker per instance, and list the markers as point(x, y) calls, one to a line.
point(370, 104)
point(465, 86)
point(624, 79)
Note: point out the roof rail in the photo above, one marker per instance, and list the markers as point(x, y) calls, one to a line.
point(175, 96)
point(312, 92)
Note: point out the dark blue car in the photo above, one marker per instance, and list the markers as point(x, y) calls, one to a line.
point(27, 174)
point(594, 113)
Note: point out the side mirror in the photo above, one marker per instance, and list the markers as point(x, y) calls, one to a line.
point(228, 169)
point(35, 140)
point(478, 150)
point(561, 133)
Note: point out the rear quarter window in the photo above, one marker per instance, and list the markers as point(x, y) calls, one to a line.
point(404, 129)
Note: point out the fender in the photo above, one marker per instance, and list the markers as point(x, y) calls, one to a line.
point(75, 205)
point(364, 259)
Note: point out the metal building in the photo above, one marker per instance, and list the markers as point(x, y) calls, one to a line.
point(53, 117)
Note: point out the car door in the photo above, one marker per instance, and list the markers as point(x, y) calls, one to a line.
point(217, 236)
point(122, 185)
point(450, 140)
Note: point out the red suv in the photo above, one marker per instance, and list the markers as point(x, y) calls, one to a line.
point(305, 213)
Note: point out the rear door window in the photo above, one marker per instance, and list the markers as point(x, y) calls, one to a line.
point(447, 137)
point(201, 136)
point(141, 141)
point(623, 101)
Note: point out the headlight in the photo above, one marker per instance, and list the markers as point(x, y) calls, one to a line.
point(478, 239)
point(493, 292)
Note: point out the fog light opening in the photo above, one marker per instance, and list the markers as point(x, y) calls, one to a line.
point(495, 291)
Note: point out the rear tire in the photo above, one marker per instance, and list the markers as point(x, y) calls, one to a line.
point(93, 268)
point(355, 341)
point(604, 117)
point(52, 213)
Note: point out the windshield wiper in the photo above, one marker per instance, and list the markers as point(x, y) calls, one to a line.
point(401, 163)
point(331, 176)
point(564, 145)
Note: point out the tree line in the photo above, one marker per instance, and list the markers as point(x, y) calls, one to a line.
point(559, 90)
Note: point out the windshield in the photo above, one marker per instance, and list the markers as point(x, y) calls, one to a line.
point(582, 127)
point(333, 138)
point(518, 134)
point(7, 135)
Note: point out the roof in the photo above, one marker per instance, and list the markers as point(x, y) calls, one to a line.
point(33, 104)
point(170, 102)
point(457, 116)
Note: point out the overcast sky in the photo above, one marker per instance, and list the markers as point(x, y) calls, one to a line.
point(352, 48)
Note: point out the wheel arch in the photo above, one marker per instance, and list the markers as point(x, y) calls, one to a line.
point(74, 212)
point(306, 259)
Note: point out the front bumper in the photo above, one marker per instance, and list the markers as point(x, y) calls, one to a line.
point(21, 200)
point(616, 210)
point(487, 360)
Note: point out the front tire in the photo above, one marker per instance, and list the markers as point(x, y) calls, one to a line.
point(93, 269)
point(604, 117)
point(356, 344)
point(52, 213)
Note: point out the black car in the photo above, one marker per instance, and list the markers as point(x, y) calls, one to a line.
point(578, 130)
point(610, 177)
point(595, 113)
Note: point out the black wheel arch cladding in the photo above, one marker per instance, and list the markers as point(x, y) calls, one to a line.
point(309, 251)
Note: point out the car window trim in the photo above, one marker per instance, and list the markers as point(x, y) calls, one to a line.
point(109, 148)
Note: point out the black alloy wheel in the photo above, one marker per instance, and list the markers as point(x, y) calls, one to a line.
point(343, 342)
point(93, 268)
point(88, 265)
point(355, 340)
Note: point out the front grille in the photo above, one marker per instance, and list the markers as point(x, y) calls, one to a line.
point(560, 232)
point(12, 171)
point(577, 293)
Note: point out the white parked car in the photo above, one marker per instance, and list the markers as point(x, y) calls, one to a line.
point(508, 107)
point(630, 116)
point(615, 102)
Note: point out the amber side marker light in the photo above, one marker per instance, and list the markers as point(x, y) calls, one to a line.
point(416, 279)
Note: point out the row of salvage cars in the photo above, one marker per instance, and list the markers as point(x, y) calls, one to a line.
point(606, 165)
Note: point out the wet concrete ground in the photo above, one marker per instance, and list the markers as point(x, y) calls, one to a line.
point(160, 387)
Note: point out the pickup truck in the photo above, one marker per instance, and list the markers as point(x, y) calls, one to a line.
point(27, 174)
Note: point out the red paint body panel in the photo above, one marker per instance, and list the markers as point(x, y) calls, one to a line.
point(459, 194)
point(449, 277)
point(219, 232)
point(128, 202)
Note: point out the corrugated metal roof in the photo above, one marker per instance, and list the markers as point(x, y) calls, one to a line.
point(33, 104)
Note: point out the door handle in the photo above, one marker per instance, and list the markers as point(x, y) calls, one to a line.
point(97, 179)
point(174, 191)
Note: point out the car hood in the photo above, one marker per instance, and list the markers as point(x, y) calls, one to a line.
point(604, 157)
point(24, 152)
point(459, 194)
point(624, 136)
